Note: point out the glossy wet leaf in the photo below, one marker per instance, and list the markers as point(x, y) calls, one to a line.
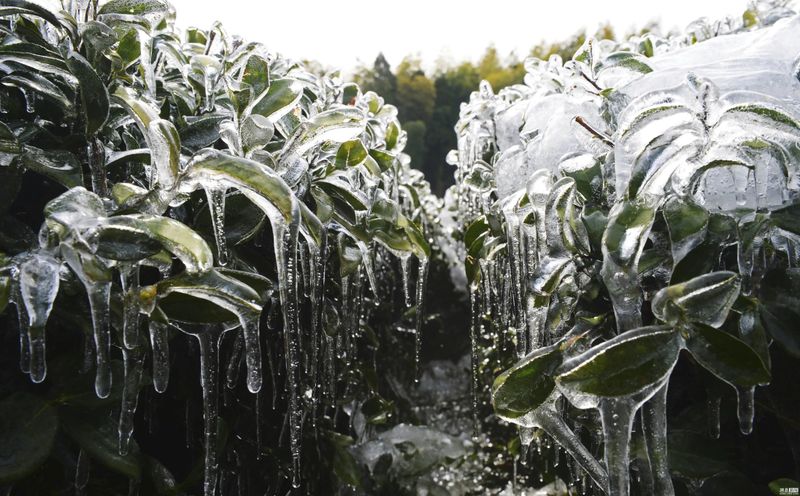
point(60, 166)
point(94, 95)
point(208, 297)
point(243, 174)
point(28, 428)
point(134, 237)
point(623, 365)
point(279, 99)
point(706, 299)
point(727, 356)
point(526, 385)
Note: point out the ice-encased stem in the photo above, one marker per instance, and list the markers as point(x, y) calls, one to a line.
point(159, 342)
point(654, 426)
point(129, 277)
point(133, 362)
point(209, 347)
point(216, 207)
point(100, 305)
point(552, 422)
point(617, 417)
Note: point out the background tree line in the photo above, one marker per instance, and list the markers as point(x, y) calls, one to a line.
point(428, 104)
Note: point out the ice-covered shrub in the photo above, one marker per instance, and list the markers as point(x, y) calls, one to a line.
point(638, 200)
point(189, 183)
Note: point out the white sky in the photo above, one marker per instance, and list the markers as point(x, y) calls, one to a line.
point(340, 33)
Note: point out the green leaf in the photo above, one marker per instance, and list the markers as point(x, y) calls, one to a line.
point(201, 133)
point(41, 86)
point(248, 176)
point(787, 218)
point(337, 125)
point(687, 224)
point(60, 166)
point(120, 238)
point(627, 60)
point(165, 151)
point(344, 464)
point(35, 57)
point(780, 308)
point(774, 117)
point(256, 74)
point(727, 357)
point(351, 154)
point(526, 385)
point(28, 428)
point(134, 7)
point(13, 7)
point(209, 297)
point(705, 299)
point(624, 365)
point(94, 95)
point(277, 101)
point(628, 224)
point(695, 456)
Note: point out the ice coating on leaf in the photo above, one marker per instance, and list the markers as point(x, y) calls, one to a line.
point(39, 282)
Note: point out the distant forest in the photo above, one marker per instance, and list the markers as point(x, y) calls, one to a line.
point(428, 105)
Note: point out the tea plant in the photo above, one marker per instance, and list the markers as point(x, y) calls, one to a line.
point(635, 202)
point(133, 149)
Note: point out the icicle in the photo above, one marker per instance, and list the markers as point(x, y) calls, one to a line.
point(252, 350)
point(285, 240)
point(81, 473)
point(216, 206)
point(159, 342)
point(129, 277)
point(133, 363)
point(366, 258)
point(617, 418)
point(24, 338)
point(474, 331)
point(209, 347)
point(234, 361)
point(305, 268)
point(99, 302)
point(38, 281)
point(422, 283)
point(405, 278)
point(745, 408)
point(654, 427)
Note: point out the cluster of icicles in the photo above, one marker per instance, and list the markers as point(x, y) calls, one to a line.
point(301, 275)
point(514, 151)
